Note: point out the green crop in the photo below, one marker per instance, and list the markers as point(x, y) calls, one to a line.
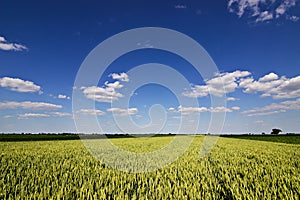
point(234, 169)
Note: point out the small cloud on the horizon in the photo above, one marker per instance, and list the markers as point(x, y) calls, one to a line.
point(60, 114)
point(194, 110)
point(91, 112)
point(274, 108)
point(123, 112)
point(32, 115)
point(28, 105)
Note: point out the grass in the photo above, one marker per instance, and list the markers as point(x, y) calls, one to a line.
point(289, 139)
point(235, 169)
point(37, 137)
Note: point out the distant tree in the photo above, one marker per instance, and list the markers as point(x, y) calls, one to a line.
point(275, 131)
point(263, 133)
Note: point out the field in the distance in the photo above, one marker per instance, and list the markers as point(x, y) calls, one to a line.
point(237, 168)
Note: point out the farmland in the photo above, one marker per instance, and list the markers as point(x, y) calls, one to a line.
point(236, 168)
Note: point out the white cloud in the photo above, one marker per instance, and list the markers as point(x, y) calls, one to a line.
point(115, 85)
point(19, 85)
point(232, 99)
point(239, 7)
point(180, 6)
point(39, 115)
point(293, 18)
point(191, 110)
point(102, 94)
point(2, 39)
point(264, 16)
point(123, 112)
point(8, 116)
point(274, 108)
point(272, 85)
point(62, 96)
point(235, 108)
point(32, 115)
point(269, 85)
point(221, 84)
point(219, 109)
point(197, 91)
point(91, 112)
point(28, 105)
point(121, 77)
point(284, 6)
point(171, 109)
point(108, 92)
point(269, 77)
point(261, 10)
point(6, 46)
point(61, 114)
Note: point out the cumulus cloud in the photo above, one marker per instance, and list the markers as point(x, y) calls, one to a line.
point(190, 110)
point(2, 39)
point(19, 85)
point(219, 109)
point(28, 105)
point(274, 108)
point(62, 96)
point(232, 99)
point(123, 112)
point(121, 77)
point(171, 109)
point(91, 112)
point(7, 46)
point(102, 94)
point(272, 85)
point(108, 92)
point(269, 77)
point(32, 115)
point(269, 85)
point(261, 10)
point(115, 85)
point(221, 84)
point(193, 110)
point(235, 108)
point(60, 114)
point(39, 115)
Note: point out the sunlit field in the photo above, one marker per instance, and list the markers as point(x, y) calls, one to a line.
point(234, 169)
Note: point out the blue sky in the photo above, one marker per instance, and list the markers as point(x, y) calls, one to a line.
point(255, 45)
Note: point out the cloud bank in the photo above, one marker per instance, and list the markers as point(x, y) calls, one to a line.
point(270, 85)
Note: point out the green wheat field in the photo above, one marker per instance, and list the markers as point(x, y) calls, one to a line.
point(236, 168)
